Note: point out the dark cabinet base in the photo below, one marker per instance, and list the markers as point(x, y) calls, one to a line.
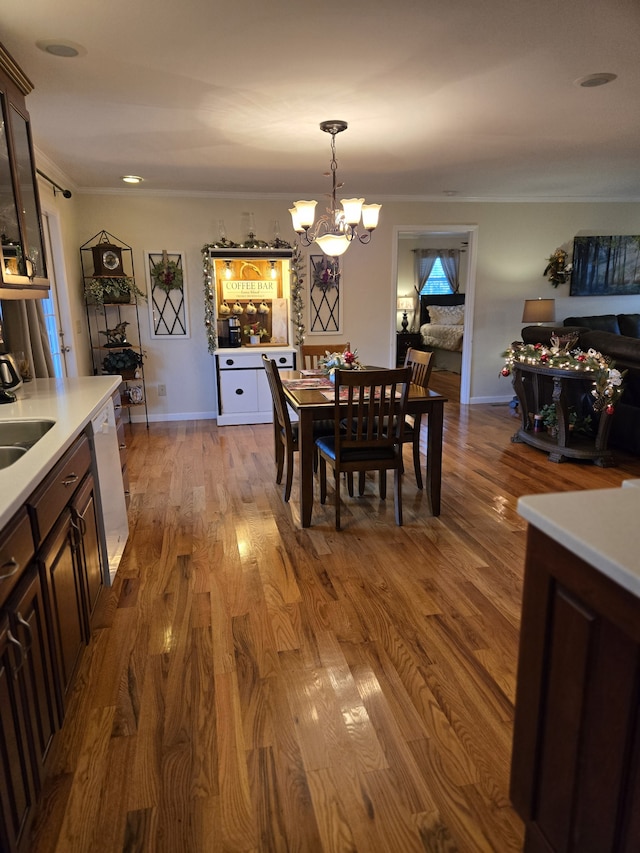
point(575, 776)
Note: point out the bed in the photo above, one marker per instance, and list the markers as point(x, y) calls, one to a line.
point(442, 328)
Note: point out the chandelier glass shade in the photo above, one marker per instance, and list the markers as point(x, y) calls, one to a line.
point(336, 229)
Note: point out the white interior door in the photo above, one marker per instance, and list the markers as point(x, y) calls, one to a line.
point(56, 306)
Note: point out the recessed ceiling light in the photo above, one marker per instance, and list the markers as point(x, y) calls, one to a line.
point(132, 179)
point(61, 47)
point(590, 81)
point(450, 193)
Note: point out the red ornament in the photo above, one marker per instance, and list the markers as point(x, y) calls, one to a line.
point(610, 409)
point(537, 346)
point(544, 356)
point(505, 371)
point(349, 357)
point(581, 358)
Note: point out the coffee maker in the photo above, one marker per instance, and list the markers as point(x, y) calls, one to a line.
point(235, 332)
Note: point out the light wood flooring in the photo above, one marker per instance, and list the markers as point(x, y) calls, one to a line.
point(252, 686)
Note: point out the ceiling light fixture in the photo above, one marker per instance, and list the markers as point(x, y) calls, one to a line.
point(132, 179)
point(335, 229)
point(65, 49)
point(593, 80)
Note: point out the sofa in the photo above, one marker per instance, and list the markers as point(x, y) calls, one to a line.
point(616, 336)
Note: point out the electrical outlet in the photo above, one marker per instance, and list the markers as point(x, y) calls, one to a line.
point(162, 390)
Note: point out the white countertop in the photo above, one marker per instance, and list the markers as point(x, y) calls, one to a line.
point(600, 526)
point(71, 403)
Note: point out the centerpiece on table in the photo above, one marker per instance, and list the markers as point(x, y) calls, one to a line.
point(332, 361)
point(607, 381)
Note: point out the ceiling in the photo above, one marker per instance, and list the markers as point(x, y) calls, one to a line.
point(456, 99)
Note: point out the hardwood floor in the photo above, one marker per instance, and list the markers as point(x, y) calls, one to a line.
point(253, 686)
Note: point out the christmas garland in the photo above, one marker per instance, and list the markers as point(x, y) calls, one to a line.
point(608, 382)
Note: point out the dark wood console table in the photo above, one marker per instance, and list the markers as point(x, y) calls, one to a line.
point(534, 386)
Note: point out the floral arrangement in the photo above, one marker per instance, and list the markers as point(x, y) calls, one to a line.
point(255, 330)
point(347, 360)
point(607, 381)
point(101, 290)
point(558, 271)
point(166, 274)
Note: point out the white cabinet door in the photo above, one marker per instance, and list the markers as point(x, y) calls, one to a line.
point(238, 391)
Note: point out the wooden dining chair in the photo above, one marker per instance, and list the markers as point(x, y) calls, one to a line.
point(368, 437)
point(285, 431)
point(310, 353)
point(421, 364)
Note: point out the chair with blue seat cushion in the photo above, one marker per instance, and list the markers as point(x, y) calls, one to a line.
point(286, 432)
point(421, 364)
point(368, 437)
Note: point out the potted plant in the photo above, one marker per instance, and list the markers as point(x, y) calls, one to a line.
point(102, 289)
point(125, 362)
point(255, 332)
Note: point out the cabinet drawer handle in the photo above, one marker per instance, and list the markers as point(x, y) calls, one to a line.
point(70, 480)
point(13, 641)
point(230, 362)
point(122, 446)
point(27, 628)
point(11, 564)
point(239, 391)
point(117, 408)
point(127, 493)
point(282, 360)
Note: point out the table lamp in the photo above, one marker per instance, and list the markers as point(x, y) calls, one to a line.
point(405, 303)
point(539, 311)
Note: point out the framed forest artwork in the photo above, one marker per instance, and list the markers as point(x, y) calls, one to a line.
point(605, 266)
point(166, 284)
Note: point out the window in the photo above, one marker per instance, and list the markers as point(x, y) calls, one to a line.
point(437, 281)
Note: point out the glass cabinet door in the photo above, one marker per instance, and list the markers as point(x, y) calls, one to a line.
point(32, 248)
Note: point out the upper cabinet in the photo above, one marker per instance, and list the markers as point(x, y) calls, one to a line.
point(23, 268)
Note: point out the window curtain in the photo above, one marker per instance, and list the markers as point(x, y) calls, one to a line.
point(424, 261)
point(24, 330)
point(450, 260)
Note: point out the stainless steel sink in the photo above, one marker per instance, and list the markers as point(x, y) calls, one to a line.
point(19, 436)
point(9, 455)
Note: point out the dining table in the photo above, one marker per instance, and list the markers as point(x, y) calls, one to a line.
point(311, 398)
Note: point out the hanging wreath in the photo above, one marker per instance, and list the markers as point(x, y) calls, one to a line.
point(167, 274)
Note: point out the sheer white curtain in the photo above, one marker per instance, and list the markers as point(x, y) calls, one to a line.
point(25, 330)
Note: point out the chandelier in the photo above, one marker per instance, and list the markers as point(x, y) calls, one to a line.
point(338, 227)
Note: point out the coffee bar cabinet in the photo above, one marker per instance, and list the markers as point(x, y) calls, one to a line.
point(112, 301)
point(250, 290)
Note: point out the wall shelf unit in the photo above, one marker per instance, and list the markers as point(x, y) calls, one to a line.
point(112, 305)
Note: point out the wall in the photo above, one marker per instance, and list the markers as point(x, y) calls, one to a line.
point(513, 242)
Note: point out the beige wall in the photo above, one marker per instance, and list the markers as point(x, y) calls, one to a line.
point(513, 242)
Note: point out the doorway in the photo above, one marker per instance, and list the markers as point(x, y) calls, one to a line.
point(56, 307)
point(429, 235)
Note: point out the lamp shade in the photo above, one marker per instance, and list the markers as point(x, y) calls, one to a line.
point(539, 311)
point(405, 303)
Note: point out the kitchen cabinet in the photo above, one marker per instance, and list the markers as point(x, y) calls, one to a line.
point(50, 582)
point(243, 391)
point(23, 271)
point(575, 773)
point(28, 709)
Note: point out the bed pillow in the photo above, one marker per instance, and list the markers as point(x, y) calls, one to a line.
point(446, 315)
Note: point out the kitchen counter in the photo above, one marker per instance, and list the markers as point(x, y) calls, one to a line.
point(71, 403)
point(599, 526)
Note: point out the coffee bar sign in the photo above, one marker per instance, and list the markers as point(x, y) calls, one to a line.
point(267, 289)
